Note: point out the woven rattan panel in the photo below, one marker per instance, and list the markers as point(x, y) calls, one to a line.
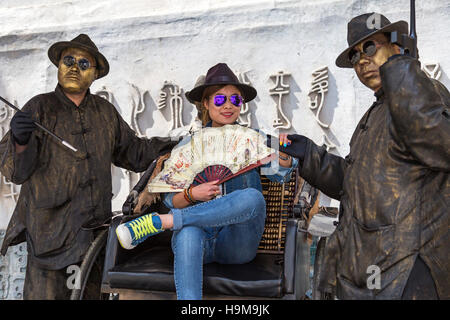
point(279, 205)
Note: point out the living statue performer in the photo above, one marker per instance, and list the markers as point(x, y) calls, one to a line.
point(66, 194)
point(392, 241)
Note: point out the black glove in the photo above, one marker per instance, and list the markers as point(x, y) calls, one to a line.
point(297, 148)
point(22, 126)
point(166, 144)
point(130, 203)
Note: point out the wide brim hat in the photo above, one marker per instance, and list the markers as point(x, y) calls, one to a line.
point(364, 26)
point(81, 42)
point(221, 74)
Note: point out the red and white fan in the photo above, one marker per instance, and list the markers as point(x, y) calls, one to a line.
point(212, 154)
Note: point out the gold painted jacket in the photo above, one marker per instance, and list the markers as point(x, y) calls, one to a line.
point(393, 187)
point(62, 191)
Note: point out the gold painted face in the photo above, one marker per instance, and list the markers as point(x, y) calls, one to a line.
point(72, 78)
point(368, 68)
point(226, 113)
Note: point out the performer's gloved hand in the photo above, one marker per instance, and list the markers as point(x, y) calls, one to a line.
point(166, 144)
point(297, 147)
point(130, 203)
point(22, 126)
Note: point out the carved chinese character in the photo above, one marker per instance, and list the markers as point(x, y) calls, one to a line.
point(133, 178)
point(137, 107)
point(280, 89)
point(4, 270)
point(319, 86)
point(170, 95)
point(327, 143)
point(6, 113)
point(106, 94)
point(13, 190)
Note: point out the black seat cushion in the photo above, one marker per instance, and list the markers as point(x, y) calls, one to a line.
point(152, 270)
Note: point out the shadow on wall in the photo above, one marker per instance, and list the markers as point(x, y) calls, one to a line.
point(117, 175)
point(327, 114)
point(323, 97)
point(144, 120)
point(331, 101)
point(3, 109)
point(445, 80)
point(292, 101)
point(252, 107)
point(328, 133)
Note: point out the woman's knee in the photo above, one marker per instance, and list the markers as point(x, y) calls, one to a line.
point(253, 199)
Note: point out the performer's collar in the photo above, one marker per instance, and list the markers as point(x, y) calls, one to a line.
point(63, 98)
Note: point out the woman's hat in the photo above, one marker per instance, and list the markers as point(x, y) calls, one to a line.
point(364, 26)
point(221, 74)
point(81, 42)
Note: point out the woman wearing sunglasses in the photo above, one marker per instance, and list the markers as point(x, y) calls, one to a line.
point(207, 229)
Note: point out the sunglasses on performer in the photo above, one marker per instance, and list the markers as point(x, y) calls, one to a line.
point(235, 99)
point(83, 63)
point(369, 48)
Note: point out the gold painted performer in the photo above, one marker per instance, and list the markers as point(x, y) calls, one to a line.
point(63, 191)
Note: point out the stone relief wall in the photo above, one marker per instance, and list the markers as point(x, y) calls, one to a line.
point(285, 49)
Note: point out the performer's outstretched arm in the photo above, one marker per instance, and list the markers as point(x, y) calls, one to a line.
point(321, 169)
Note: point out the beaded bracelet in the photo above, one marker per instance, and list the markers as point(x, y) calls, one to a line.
point(283, 158)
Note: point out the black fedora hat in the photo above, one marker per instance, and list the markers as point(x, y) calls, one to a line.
point(221, 74)
point(81, 42)
point(364, 26)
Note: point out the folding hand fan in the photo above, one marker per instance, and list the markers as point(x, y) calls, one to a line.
point(212, 154)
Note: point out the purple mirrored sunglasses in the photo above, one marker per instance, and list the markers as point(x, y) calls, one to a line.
point(235, 99)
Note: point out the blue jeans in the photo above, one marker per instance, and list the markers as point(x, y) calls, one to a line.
point(225, 230)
